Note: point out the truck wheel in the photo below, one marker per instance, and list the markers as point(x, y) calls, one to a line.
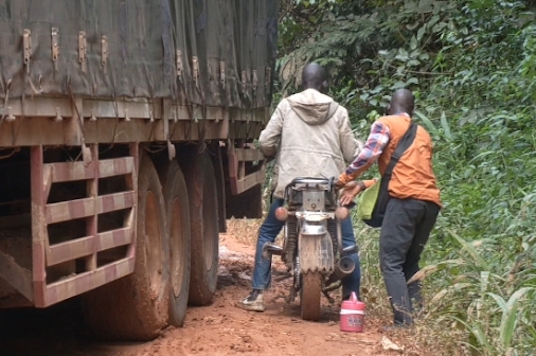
point(205, 237)
point(310, 295)
point(178, 225)
point(136, 307)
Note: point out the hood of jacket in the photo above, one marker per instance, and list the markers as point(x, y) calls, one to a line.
point(312, 107)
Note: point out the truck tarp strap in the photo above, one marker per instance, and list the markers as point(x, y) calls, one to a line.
point(142, 38)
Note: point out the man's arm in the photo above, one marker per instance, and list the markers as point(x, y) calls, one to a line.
point(350, 146)
point(352, 189)
point(270, 137)
point(376, 142)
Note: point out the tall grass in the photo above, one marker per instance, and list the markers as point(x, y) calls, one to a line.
point(479, 267)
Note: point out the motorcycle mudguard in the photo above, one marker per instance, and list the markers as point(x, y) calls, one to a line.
point(316, 253)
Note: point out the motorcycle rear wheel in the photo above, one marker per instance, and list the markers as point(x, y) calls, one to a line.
point(311, 292)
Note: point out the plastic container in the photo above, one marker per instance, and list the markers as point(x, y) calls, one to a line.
point(352, 315)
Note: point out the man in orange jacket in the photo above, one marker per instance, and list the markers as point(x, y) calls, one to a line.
point(413, 206)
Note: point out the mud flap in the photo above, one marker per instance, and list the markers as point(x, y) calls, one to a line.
point(316, 253)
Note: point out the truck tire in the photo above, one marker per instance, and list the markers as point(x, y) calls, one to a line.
point(135, 308)
point(178, 224)
point(203, 197)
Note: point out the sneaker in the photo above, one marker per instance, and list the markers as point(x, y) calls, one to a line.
point(254, 301)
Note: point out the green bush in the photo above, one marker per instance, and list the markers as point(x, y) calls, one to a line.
point(472, 67)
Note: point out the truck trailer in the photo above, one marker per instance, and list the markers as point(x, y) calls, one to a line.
point(127, 139)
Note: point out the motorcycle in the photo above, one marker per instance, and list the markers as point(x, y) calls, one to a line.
point(312, 248)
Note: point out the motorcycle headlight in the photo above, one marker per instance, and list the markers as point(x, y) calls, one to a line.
point(313, 227)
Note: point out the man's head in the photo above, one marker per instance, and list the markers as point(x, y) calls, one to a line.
point(315, 77)
point(402, 101)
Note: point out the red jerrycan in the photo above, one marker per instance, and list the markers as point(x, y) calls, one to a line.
point(352, 315)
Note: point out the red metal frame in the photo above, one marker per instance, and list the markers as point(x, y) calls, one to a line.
point(238, 179)
point(44, 254)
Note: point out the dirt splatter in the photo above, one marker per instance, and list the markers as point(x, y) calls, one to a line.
point(219, 329)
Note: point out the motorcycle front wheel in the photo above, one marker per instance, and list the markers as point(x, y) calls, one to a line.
point(311, 292)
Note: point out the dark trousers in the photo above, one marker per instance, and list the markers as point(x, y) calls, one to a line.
point(406, 228)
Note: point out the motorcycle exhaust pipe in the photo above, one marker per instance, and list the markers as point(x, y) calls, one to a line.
point(345, 266)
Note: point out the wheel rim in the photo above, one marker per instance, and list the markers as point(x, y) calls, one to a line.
point(153, 244)
point(175, 247)
point(209, 223)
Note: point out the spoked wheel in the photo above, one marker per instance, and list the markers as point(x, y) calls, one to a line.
point(310, 295)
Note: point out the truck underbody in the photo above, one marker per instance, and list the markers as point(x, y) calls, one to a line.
point(70, 198)
point(127, 134)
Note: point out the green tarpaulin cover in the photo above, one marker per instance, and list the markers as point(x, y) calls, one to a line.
point(208, 52)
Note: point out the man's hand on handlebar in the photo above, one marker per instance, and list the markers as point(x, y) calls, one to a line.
point(338, 184)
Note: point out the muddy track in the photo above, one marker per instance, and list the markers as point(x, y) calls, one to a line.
point(219, 329)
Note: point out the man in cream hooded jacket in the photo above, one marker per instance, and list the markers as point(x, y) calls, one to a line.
point(310, 136)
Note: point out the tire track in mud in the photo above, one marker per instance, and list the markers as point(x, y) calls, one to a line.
point(224, 329)
point(219, 329)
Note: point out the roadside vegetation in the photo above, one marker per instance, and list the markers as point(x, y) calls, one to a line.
point(472, 67)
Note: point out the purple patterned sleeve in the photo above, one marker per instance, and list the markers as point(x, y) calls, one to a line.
point(377, 140)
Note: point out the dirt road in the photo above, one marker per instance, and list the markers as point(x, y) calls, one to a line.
point(220, 329)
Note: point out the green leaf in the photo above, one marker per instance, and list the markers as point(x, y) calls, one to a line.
point(445, 126)
point(413, 43)
point(477, 259)
point(424, 56)
point(413, 26)
point(421, 32)
point(427, 122)
point(413, 63)
point(398, 85)
point(477, 331)
point(402, 55)
point(499, 301)
point(426, 6)
point(509, 317)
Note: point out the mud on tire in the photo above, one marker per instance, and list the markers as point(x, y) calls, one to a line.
point(202, 192)
point(178, 228)
point(310, 296)
point(136, 307)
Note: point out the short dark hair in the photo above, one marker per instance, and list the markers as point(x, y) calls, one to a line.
point(314, 76)
point(402, 101)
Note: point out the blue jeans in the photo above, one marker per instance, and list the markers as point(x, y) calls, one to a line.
point(268, 233)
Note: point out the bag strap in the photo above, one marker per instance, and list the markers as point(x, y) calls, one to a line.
point(402, 146)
